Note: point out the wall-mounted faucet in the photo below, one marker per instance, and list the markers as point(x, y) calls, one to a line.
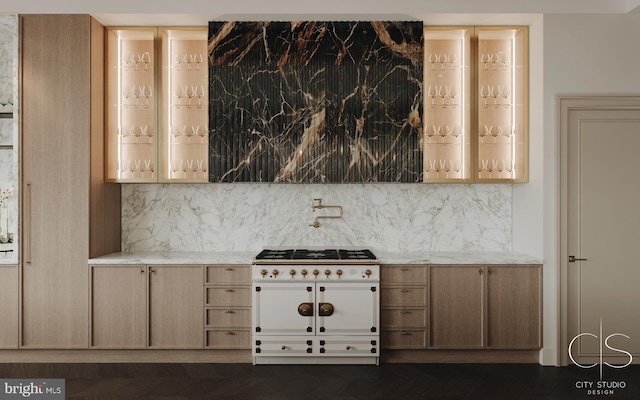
point(317, 205)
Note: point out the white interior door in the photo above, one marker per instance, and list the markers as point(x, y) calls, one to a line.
point(603, 210)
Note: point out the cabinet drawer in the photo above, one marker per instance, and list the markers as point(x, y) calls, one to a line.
point(407, 274)
point(238, 296)
point(404, 339)
point(397, 317)
point(227, 275)
point(403, 296)
point(228, 317)
point(228, 339)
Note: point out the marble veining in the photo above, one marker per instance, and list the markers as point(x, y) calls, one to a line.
point(247, 217)
point(311, 101)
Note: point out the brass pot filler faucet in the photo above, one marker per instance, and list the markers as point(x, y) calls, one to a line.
point(317, 205)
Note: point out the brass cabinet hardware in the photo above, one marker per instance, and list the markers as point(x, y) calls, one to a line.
point(404, 269)
point(228, 269)
point(490, 271)
point(325, 309)
point(305, 309)
point(405, 333)
point(480, 271)
point(152, 271)
point(405, 312)
point(404, 290)
point(229, 333)
point(574, 259)
point(229, 290)
point(27, 223)
point(142, 270)
point(228, 311)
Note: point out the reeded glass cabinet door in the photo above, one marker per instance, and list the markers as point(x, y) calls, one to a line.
point(184, 116)
point(131, 111)
point(447, 116)
point(502, 92)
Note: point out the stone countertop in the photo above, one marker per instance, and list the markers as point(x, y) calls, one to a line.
point(237, 257)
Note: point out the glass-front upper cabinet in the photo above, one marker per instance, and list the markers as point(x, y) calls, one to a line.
point(185, 132)
point(447, 108)
point(157, 96)
point(502, 113)
point(131, 111)
point(475, 104)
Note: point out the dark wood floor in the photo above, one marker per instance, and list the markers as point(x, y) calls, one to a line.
point(279, 382)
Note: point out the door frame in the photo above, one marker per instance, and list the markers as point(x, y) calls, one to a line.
point(565, 106)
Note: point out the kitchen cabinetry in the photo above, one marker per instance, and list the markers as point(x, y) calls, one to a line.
point(476, 108)
point(403, 306)
point(68, 213)
point(227, 307)
point(493, 307)
point(155, 306)
point(157, 89)
point(118, 307)
point(8, 306)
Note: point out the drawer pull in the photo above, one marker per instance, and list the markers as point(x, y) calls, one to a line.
point(229, 290)
point(404, 290)
point(404, 269)
point(229, 333)
point(228, 311)
point(405, 333)
point(228, 269)
point(405, 312)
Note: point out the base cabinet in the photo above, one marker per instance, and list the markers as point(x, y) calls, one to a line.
point(8, 306)
point(118, 307)
point(403, 306)
point(485, 307)
point(156, 306)
point(227, 307)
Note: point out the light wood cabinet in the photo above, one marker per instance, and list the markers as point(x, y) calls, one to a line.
point(119, 307)
point(68, 213)
point(227, 307)
point(175, 306)
point(476, 104)
point(493, 307)
point(8, 306)
point(139, 306)
point(403, 306)
point(514, 307)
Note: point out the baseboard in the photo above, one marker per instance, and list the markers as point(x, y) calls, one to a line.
point(244, 356)
point(460, 356)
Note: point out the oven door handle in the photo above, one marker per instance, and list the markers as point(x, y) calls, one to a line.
point(305, 309)
point(325, 309)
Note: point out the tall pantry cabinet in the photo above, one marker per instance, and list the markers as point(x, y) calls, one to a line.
point(68, 213)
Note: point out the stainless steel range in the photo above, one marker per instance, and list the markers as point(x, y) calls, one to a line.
point(315, 306)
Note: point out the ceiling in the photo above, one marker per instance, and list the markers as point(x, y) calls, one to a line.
point(198, 12)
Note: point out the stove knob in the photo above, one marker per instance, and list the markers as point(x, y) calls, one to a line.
point(327, 272)
point(264, 272)
point(316, 272)
point(275, 272)
point(292, 272)
point(304, 272)
point(367, 272)
point(339, 272)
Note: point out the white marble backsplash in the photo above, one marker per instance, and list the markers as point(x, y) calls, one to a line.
point(250, 216)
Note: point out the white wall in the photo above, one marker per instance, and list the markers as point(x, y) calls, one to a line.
point(583, 55)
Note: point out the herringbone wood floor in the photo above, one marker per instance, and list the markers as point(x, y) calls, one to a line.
point(281, 382)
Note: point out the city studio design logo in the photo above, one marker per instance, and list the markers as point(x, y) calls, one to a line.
point(601, 387)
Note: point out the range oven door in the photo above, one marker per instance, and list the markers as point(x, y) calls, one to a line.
point(283, 308)
point(345, 308)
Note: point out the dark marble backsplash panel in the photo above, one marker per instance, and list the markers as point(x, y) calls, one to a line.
point(315, 101)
